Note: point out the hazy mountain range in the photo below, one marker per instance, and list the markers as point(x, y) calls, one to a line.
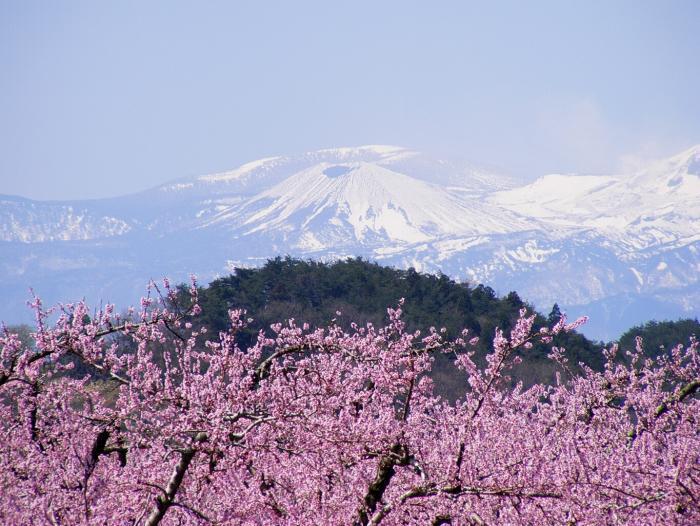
point(621, 248)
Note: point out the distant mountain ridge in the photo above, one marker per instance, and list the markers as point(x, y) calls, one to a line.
point(622, 249)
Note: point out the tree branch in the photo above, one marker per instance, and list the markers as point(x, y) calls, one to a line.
point(458, 490)
point(398, 455)
point(165, 501)
point(263, 370)
point(687, 390)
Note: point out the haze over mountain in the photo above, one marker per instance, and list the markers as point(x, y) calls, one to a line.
point(621, 248)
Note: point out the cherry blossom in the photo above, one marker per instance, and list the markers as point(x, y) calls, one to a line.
point(145, 419)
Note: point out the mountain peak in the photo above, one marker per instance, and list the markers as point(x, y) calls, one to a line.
point(690, 160)
point(333, 204)
point(377, 149)
point(691, 153)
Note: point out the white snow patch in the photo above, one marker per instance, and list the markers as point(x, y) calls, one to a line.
point(176, 187)
point(638, 275)
point(530, 252)
point(239, 172)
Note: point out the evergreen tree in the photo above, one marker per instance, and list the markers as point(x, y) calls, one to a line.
point(554, 314)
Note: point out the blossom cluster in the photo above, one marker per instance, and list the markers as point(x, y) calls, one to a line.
point(167, 424)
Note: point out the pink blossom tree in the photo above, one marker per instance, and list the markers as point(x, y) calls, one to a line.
point(323, 426)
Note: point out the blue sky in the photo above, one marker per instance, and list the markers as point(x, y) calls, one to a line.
point(100, 99)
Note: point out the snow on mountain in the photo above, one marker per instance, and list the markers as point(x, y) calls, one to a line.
point(258, 175)
point(607, 243)
point(255, 176)
point(329, 205)
point(655, 207)
point(560, 199)
point(33, 222)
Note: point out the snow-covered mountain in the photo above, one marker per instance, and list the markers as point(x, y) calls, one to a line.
point(32, 221)
point(655, 207)
point(621, 248)
point(342, 205)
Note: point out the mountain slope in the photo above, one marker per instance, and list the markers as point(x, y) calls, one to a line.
point(25, 221)
point(656, 207)
point(332, 205)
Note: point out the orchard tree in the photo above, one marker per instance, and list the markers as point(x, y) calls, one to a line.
point(144, 419)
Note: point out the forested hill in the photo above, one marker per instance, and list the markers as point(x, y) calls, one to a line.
point(660, 336)
point(313, 292)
